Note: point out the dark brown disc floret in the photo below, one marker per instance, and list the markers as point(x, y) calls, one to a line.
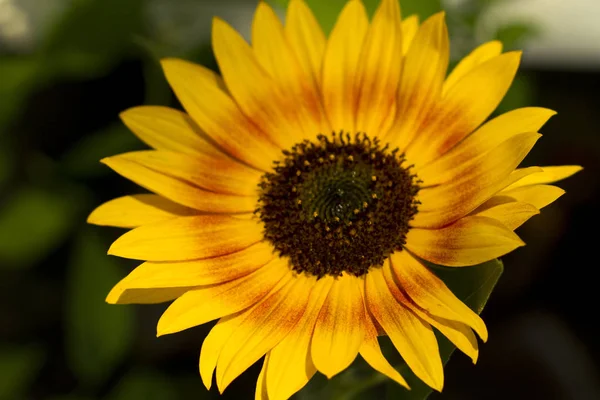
point(339, 204)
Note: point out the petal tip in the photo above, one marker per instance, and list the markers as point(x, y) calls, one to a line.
point(218, 23)
point(161, 331)
point(107, 161)
point(438, 386)
point(113, 249)
point(167, 62)
point(577, 168)
point(92, 218)
point(441, 15)
point(115, 293)
point(127, 113)
point(206, 380)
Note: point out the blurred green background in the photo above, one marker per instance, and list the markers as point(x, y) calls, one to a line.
point(68, 67)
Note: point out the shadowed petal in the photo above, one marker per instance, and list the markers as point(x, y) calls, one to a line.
point(202, 93)
point(256, 93)
point(458, 333)
point(168, 129)
point(431, 294)
point(204, 304)
point(371, 352)
point(469, 241)
point(412, 336)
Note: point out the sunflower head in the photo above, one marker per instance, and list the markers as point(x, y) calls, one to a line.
point(303, 192)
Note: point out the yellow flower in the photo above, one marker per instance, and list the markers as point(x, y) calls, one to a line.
point(298, 195)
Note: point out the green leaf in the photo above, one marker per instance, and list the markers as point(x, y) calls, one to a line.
point(98, 335)
point(327, 12)
point(18, 368)
point(473, 285)
point(92, 35)
point(144, 385)
point(34, 221)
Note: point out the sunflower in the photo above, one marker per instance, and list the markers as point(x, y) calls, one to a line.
point(300, 195)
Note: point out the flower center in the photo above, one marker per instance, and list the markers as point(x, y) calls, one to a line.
point(340, 204)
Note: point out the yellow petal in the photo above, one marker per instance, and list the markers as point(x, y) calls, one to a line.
point(478, 56)
point(410, 26)
point(413, 338)
point(458, 333)
point(290, 366)
point(474, 182)
point(188, 238)
point(253, 89)
point(547, 175)
point(538, 196)
point(379, 70)
point(208, 271)
point(178, 191)
point(202, 94)
point(276, 56)
point(431, 294)
point(204, 304)
point(305, 38)
point(217, 174)
point(466, 106)
point(214, 343)
point(512, 214)
point(486, 138)
point(118, 295)
point(261, 382)
point(469, 241)
point(264, 326)
point(339, 329)
point(371, 352)
point(136, 210)
point(168, 129)
point(424, 71)
point(340, 66)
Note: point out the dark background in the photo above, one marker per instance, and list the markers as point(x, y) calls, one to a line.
point(62, 86)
